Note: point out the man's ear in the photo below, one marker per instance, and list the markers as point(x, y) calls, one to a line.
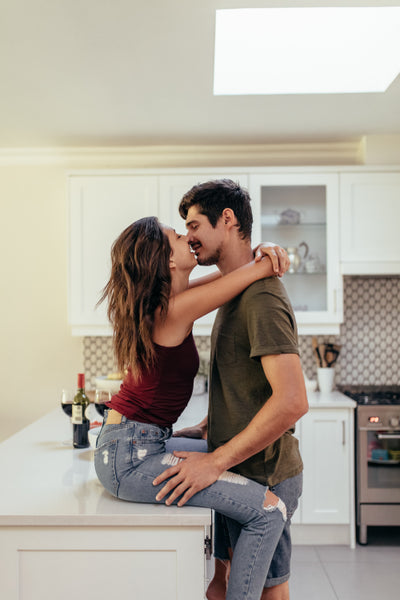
point(229, 217)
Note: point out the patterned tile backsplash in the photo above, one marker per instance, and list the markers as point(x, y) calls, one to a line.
point(369, 337)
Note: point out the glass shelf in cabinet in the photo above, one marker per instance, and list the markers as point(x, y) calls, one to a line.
point(307, 273)
point(268, 225)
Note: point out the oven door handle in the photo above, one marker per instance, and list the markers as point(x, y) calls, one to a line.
point(388, 436)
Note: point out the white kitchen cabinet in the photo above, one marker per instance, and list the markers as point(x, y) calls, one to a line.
point(300, 211)
point(103, 203)
point(172, 188)
point(100, 207)
point(326, 513)
point(360, 238)
point(327, 451)
point(369, 223)
point(90, 562)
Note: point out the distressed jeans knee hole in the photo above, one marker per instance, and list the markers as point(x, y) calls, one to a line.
point(272, 502)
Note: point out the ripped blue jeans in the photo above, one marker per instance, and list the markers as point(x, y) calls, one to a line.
point(131, 454)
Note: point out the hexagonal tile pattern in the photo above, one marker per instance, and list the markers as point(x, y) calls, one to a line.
point(369, 337)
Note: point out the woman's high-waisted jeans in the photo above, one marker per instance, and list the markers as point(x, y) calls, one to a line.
point(130, 455)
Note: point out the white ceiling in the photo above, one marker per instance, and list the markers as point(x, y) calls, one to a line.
point(134, 72)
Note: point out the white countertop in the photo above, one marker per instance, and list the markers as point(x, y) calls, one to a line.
point(334, 399)
point(198, 405)
point(45, 481)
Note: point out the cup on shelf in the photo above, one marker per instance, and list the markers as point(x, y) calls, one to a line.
point(325, 377)
point(313, 264)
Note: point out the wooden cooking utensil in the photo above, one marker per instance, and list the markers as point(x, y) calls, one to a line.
point(321, 349)
point(316, 351)
point(331, 354)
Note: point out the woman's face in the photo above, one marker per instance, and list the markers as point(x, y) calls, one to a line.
point(181, 253)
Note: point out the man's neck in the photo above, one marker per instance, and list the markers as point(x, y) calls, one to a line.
point(234, 256)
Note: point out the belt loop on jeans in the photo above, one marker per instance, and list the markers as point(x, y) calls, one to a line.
point(113, 417)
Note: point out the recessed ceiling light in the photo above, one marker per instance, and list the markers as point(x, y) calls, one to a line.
point(306, 50)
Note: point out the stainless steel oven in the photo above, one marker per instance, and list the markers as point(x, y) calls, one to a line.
point(377, 459)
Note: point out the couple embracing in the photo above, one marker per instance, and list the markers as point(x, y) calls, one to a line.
point(251, 474)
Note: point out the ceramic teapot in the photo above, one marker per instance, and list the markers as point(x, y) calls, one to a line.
point(295, 257)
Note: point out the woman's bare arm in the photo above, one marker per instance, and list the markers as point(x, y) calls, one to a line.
point(205, 279)
point(195, 302)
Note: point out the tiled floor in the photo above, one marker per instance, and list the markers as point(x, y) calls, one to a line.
point(370, 572)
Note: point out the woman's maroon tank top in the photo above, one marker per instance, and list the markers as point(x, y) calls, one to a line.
point(162, 394)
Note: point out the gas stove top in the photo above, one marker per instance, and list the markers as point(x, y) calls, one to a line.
point(373, 395)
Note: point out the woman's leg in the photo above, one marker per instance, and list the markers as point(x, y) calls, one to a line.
point(185, 445)
point(130, 456)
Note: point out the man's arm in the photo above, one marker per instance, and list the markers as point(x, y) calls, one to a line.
point(286, 405)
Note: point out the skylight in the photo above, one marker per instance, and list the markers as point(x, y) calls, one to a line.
point(306, 50)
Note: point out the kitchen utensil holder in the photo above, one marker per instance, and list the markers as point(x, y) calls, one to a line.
point(325, 376)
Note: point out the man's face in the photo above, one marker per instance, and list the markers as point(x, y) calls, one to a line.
point(205, 240)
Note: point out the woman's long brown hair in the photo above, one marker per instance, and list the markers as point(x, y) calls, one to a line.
point(140, 282)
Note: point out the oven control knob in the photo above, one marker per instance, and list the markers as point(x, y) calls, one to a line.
point(394, 421)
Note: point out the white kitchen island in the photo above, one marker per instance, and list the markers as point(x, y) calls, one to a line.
point(63, 536)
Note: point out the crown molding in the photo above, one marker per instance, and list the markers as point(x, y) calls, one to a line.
point(351, 152)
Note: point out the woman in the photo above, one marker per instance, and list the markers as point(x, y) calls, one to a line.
point(152, 307)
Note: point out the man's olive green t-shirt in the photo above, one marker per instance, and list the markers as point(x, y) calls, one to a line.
point(258, 322)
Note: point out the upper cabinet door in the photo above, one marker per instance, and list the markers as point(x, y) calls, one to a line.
point(300, 212)
point(172, 189)
point(100, 208)
point(369, 223)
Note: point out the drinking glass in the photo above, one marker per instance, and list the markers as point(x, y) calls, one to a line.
point(66, 402)
point(100, 399)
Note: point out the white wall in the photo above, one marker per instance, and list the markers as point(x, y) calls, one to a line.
point(382, 149)
point(38, 355)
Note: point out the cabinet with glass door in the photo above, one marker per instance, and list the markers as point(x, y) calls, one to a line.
point(299, 211)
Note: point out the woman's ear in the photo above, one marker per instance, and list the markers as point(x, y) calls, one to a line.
point(172, 263)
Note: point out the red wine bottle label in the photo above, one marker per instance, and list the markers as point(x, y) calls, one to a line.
point(77, 414)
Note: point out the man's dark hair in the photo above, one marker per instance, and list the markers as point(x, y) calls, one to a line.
point(213, 197)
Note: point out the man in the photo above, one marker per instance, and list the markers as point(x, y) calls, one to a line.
point(257, 390)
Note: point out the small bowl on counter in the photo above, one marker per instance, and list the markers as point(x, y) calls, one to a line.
point(311, 385)
point(93, 434)
point(104, 382)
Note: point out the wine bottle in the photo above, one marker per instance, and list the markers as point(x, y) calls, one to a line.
point(80, 422)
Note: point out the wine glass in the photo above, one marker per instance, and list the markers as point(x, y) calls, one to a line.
point(66, 402)
point(100, 399)
point(67, 399)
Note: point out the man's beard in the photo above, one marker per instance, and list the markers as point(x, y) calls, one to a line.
point(210, 260)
